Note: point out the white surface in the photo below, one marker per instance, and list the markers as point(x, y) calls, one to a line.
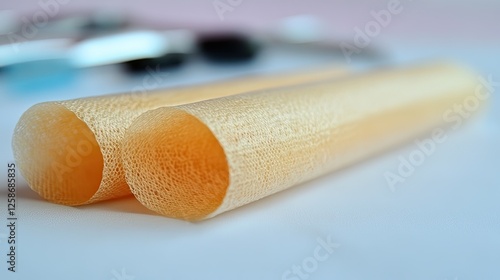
point(443, 222)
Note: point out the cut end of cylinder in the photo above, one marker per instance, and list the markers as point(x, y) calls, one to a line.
point(175, 165)
point(58, 154)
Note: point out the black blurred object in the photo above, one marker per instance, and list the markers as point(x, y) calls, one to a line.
point(228, 48)
point(168, 61)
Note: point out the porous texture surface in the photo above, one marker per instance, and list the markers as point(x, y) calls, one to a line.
point(70, 151)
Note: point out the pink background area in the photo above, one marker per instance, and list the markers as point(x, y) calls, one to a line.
point(436, 20)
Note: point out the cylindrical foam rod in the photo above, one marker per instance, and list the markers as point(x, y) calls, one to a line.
point(70, 151)
point(198, 160)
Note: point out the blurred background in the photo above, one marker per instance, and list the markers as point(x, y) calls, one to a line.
point(61, 49)
point(442, 224)
point(75, 48)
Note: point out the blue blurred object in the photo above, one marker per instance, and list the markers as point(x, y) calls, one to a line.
point(35, 65)
point(35, 75)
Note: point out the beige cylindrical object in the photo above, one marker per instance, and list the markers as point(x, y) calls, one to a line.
point(198, 160)
point(69, 151)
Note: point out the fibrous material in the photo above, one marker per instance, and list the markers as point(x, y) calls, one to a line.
point(196, 158)
point(70, 151)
